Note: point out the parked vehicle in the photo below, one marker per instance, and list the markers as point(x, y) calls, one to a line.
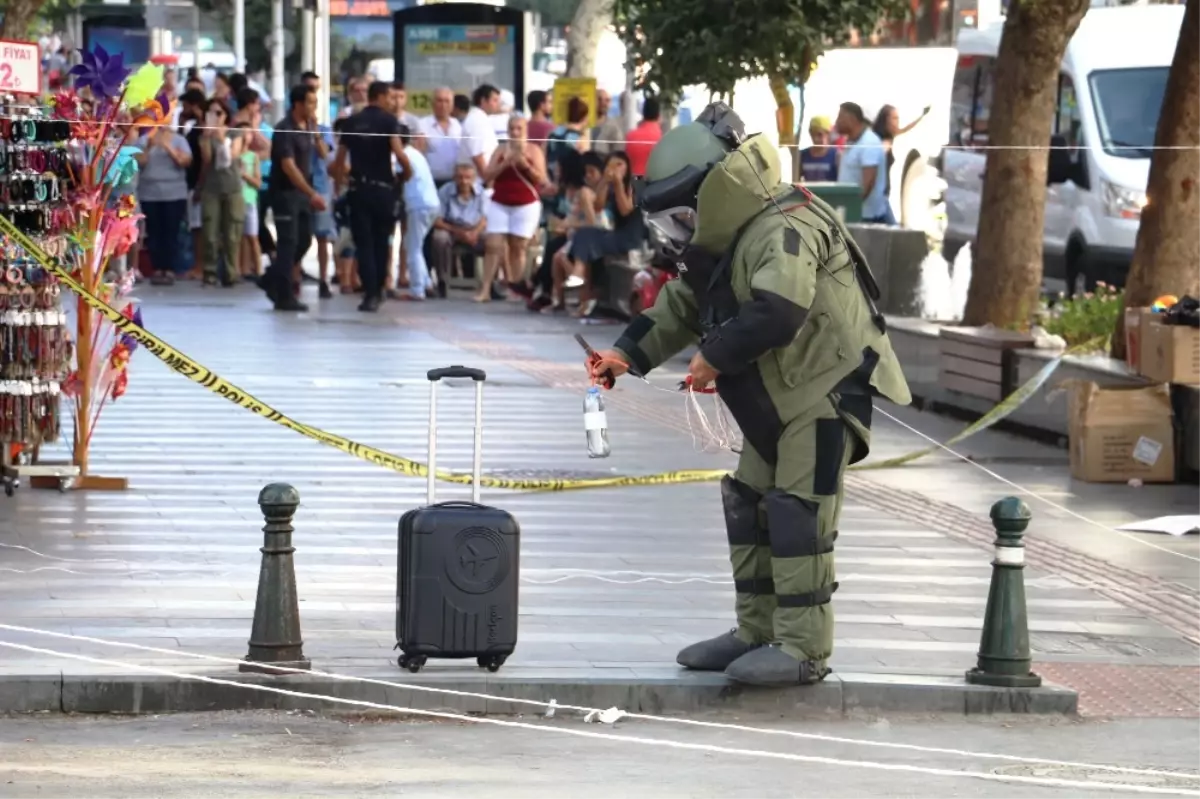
point(1110, 93)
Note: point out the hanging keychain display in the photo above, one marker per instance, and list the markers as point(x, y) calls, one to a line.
point(35, 343)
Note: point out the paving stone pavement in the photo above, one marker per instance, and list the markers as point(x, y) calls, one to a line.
point(614, 582)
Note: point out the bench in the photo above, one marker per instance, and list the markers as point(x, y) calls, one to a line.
point(979, 362)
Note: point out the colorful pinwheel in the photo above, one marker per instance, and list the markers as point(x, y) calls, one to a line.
point(102, 74)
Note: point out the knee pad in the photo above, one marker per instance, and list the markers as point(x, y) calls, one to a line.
point(741, 513)
point(794, 526)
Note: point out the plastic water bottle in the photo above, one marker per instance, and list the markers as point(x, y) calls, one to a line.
point(595, 422)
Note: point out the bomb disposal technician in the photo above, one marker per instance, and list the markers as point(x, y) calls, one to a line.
point(781, 301)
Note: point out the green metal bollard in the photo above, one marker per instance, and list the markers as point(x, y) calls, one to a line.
point(275, 636)
point(1004, 657)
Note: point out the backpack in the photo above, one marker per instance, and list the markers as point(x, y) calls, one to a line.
point(560, 139)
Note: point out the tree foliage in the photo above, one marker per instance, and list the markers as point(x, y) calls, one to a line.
point(677, 43)
point(17, 17)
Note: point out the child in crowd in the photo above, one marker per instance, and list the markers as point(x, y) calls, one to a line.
point(346, 273)
point(421, 206)
point(250, 260)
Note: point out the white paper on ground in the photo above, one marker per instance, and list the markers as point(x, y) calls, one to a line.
point(1171, 525)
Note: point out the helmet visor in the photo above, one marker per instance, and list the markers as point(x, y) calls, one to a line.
point(672, 192)
point(674, 227)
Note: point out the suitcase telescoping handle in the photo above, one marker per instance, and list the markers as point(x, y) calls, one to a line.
point(435, 376)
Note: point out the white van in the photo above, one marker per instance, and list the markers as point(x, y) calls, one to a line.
point(1110, 92)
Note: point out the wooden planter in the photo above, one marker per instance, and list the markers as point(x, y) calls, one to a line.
point(979, 362)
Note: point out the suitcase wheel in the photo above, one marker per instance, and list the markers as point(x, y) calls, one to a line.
point(412, 662)
point(491, 662)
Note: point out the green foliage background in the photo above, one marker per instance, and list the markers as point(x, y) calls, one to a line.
point(682, 42)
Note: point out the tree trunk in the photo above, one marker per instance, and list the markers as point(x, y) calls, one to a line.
point(1006, 273)
point(1167, 252)
point(19, 16)
point(787, 120)
point(591, 20)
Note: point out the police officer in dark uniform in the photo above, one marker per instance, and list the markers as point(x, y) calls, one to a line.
point(293, 199)
point(371, 139)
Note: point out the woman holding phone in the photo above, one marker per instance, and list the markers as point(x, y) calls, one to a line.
point(515, 172)
point(223, 210)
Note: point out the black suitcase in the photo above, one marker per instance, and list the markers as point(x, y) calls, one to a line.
point(457, 570)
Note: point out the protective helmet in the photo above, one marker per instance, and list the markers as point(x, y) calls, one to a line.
point(677, 167)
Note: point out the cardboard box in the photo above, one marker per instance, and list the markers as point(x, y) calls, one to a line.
point(1169, 353)
point(1118, 434)
point(1133, 336)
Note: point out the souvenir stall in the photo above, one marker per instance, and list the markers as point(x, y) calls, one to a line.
point(65, 212)
point(35, 344)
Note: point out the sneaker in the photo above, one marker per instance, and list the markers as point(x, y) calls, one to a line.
point(292, 305)
point(324, 292)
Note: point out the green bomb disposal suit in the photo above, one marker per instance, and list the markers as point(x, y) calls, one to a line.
point(781, 301)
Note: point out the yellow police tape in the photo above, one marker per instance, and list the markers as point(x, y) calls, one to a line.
point(205, 378)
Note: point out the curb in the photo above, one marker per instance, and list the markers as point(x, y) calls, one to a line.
point(838, 695)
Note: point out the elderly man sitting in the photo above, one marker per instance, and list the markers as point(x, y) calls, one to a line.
point(458, 231)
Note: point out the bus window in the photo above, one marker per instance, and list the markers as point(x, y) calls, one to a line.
point(962, 99)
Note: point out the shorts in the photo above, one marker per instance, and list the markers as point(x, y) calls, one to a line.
point(513, 220)
point(251, 226)
point(344, 247)
point(194, 215)
point(323, 224)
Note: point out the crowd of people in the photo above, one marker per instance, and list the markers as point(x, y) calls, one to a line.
point(854, 150)
point(397, 206)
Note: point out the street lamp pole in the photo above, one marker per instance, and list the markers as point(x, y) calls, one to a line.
point(239, 35)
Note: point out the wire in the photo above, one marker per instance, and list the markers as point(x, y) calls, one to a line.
point(1032, 493)
point(714, 436)
point(1026, 491)
point(973, 148)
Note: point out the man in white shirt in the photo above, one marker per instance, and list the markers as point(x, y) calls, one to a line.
point(421, 204)
point(443, 135)
point(864, 162)
point(479, 138)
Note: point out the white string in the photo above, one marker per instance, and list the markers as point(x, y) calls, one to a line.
point(644, 717)
point(715, 435)
point(1034, 494)
point(972, 148)
point(637, 578)
point(60, 560)
point(1027, 491)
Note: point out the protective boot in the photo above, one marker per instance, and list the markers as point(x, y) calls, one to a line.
point(771, 667)
point(715, 654)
